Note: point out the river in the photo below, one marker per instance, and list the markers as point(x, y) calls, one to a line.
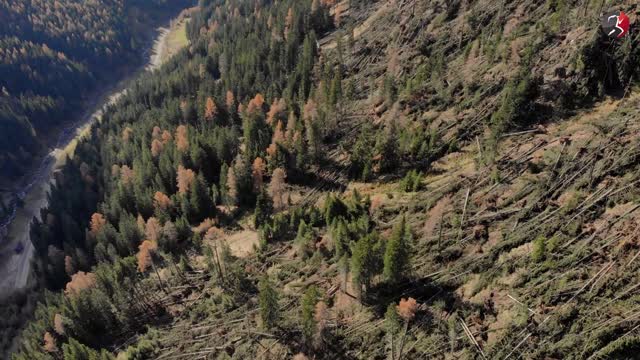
point(16, 250)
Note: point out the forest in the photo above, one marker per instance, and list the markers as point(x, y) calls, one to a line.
point(346, 180)
point(52, 57)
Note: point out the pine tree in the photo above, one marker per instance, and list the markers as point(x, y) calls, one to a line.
point(277, 187)
point(396, 256)
point(210, 110)
point(263, 210)
point(388, 148)
point(222, 186)
point(268, 301)
point(340, 238)
point(309, 301)
point(199, 200)
point(366, 261)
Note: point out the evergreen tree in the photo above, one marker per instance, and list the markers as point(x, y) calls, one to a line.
point(396, 256)
point(268, 301)
point(77, 351)
point(308, 305)
point(199, 200)
point(366, 261)
point(263, 210)
point(388, 148)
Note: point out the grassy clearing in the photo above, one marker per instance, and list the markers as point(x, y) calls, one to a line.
point(176, 39)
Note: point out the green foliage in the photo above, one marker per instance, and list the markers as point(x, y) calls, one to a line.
point(396, 256)
point(362, 156)
point(308, 304)
point(53, 56)
point(76, 351)
point(305, 239)
point(388, 148)
point(264, 208)
point(366, 260)
point(392, 320)
point(333, 208)
point(412, 181)
point(539, 249)
point(268, 301)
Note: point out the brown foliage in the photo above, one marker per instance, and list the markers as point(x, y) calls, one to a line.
point(126, 174)
point(204, 226)
point(161, 201)
point(97, 222)
point(185, 179)
point(315, 5)
point(277, 187)
point(230, 100)
point(68, 265)
point(140, 222)
point(278, 134)
point(156, 133)
point(213, 234)
point(80, 281)
point(288, 22)
point(156, 147)
point(210, 109)
point(115, 170)
point(407, 309)
point(291, 126)
point(126, 134)
point(166, 137)
point(153, 229)
point(58, 324)
point(337, 16)
point(276, 111)
point(146, 249)
point(182, 138)
point(257, 174)
point(49, 343)
point(310, 112)
point(272, 150)
point(255, 104)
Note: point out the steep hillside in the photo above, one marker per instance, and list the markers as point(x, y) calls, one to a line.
point(52, 55)
point(357, 180)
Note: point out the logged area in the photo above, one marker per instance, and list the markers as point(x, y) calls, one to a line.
point(391, 179)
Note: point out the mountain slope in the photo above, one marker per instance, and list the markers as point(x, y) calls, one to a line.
point(430, 180)
point(52, 55)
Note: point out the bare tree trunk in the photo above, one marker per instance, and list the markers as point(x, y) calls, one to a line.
point(159, 278)
point(404, 335)
point(217, 259)
point(393, 349)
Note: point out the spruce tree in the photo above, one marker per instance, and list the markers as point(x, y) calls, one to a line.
point(268, 301)
point(396, 256)
point(309, 301)
point(263, 209)
point(366, 261)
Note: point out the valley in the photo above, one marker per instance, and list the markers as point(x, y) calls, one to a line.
point(321, 179)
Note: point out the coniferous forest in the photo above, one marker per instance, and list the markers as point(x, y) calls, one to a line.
point(53, 54)
point(314, 179)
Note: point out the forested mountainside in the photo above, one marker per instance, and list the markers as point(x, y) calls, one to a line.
point(357, 180)
point(52, 55)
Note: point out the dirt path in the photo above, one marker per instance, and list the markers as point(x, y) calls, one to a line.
point(17, 250)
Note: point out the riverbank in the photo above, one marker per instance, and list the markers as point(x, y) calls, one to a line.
point(16, 251)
